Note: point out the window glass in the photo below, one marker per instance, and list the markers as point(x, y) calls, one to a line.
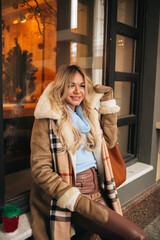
point(124, 54)
point(37, 37)
point(123, 139)
point(98, 36)
point(79, 14)
point(29, 64)
point(78, 54)
point(122, 95)
point(126, 12)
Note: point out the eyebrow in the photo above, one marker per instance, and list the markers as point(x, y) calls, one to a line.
point(74, 83)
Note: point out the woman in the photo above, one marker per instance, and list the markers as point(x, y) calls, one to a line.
point(70, 171)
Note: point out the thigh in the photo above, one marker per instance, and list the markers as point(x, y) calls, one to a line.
point(117, 227)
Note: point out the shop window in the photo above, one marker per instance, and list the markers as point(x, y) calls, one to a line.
point(29, 64)
point(37, 37)
point(124, 68)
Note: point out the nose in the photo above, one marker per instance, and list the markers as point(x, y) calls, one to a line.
point(76, 90)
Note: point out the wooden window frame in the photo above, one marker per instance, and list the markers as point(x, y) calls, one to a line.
point(112, 28)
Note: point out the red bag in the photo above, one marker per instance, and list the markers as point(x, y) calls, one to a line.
point(118, 165)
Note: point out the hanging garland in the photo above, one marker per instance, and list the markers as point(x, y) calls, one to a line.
point(39, 13)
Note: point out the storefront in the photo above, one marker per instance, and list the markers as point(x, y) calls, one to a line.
point(116, 43)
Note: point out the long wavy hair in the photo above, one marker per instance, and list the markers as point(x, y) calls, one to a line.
point(58, 94)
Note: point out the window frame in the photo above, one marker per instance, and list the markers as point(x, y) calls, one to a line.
point(110, 76)
point(2, 173)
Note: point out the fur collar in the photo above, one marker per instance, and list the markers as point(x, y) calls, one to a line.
point(45, 110)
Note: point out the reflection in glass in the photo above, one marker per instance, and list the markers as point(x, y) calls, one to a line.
point(126, 12)
point(29, 64)
point(25, 49)
point(124, 54)
point(122, 95)
point(123, 139)
point(78, 54)
point(74, 12)
point(79, 17)
point(98, 37)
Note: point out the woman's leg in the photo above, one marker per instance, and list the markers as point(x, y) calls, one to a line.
point(116, 228)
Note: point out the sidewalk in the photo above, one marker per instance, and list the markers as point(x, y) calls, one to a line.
point(152, 231)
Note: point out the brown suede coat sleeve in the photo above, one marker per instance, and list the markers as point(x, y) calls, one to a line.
point(110, 130)
point(41, 161)
point(108, 120)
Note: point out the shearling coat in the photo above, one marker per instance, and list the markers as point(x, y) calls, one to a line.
point(48, 184)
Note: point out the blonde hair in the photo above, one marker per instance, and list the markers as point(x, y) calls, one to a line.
point(58, 94)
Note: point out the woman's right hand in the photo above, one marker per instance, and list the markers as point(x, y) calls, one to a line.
point(90, 209)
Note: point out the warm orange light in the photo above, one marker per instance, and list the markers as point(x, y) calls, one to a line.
point(23, 21)
point(15, 21)
point(22, 18)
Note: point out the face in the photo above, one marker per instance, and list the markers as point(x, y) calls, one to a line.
point(76, 91)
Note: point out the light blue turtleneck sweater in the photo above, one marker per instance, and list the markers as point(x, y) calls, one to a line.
point(84, 158)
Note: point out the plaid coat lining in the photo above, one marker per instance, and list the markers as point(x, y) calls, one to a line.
point(60, 219)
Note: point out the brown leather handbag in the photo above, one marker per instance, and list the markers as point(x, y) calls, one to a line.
point(118, 165)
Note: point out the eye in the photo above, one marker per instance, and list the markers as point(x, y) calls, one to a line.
point(71, 85)
point(82, 86)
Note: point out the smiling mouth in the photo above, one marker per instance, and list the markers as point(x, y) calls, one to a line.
point(76, 98)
